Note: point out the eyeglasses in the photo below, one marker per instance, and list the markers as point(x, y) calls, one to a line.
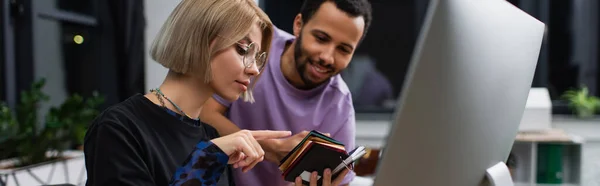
point(251, 55)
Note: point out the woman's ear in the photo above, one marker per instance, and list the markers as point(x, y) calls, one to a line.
point(212, 43)
point(298, 25)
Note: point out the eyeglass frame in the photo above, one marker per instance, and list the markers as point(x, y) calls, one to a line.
point(256, 57)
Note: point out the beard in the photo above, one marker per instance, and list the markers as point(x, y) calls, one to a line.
point(302, 61)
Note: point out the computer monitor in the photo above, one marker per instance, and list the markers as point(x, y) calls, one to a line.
point(465, 94)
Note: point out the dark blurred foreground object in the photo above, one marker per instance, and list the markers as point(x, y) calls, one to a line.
point(367, 165)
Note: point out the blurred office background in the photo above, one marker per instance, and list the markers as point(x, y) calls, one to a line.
point(101, 45)
point(77, 46)
point(82, 46)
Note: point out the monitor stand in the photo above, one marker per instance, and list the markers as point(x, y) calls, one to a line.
point(498, 175)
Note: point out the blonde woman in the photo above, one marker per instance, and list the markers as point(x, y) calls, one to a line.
point(210, 47)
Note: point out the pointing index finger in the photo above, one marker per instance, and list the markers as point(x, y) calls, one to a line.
point(269, 134)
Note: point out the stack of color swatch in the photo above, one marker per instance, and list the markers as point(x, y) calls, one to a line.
point(316, 152)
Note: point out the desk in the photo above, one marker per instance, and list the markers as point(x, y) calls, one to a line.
point(556, 149)
point(372, 133)
point(368, 181)
point(552, 135)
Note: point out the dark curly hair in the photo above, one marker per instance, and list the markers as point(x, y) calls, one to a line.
point(354, 8)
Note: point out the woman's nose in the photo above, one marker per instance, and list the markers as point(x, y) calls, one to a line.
point(252, 70)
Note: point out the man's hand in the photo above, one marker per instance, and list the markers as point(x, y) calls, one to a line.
point(277, 149)
point(326, 178)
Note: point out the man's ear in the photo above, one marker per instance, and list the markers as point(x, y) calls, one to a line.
point(298, 25)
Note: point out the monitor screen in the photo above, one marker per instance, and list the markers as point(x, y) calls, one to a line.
point(464, 96)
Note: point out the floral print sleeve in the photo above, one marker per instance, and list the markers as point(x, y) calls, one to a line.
point(204, 166)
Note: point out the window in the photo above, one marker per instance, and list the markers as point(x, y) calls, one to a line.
point(569, 56)
point(377, 71)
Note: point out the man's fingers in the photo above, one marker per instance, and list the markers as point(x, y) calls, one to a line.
point(269, 134)
point(313, 178)
point(327, 177)
point(298, 181)
point(340, 177)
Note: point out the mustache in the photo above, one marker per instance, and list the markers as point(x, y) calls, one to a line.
point(321, 63)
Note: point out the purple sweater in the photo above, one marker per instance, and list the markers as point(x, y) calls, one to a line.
point(280, 106)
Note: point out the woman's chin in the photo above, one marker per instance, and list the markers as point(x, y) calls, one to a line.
point(231, 97)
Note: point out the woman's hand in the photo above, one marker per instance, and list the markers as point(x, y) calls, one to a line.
point(277, 149)
point(243, 149)
point(326, 178)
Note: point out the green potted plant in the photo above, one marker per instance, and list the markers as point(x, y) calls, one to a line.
point(28, 142)
point(581, 103)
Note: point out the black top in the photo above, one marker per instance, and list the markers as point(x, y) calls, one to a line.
point(137, 142)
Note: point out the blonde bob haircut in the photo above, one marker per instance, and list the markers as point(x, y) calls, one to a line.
point(183, 44)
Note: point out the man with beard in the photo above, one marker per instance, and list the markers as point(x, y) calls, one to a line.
point(300, 89)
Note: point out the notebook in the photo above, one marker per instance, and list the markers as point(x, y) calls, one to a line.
point(315, 153)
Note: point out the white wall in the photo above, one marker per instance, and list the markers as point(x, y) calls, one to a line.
point(156, 12)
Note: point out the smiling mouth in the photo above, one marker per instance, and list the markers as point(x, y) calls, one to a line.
point(320, 69)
